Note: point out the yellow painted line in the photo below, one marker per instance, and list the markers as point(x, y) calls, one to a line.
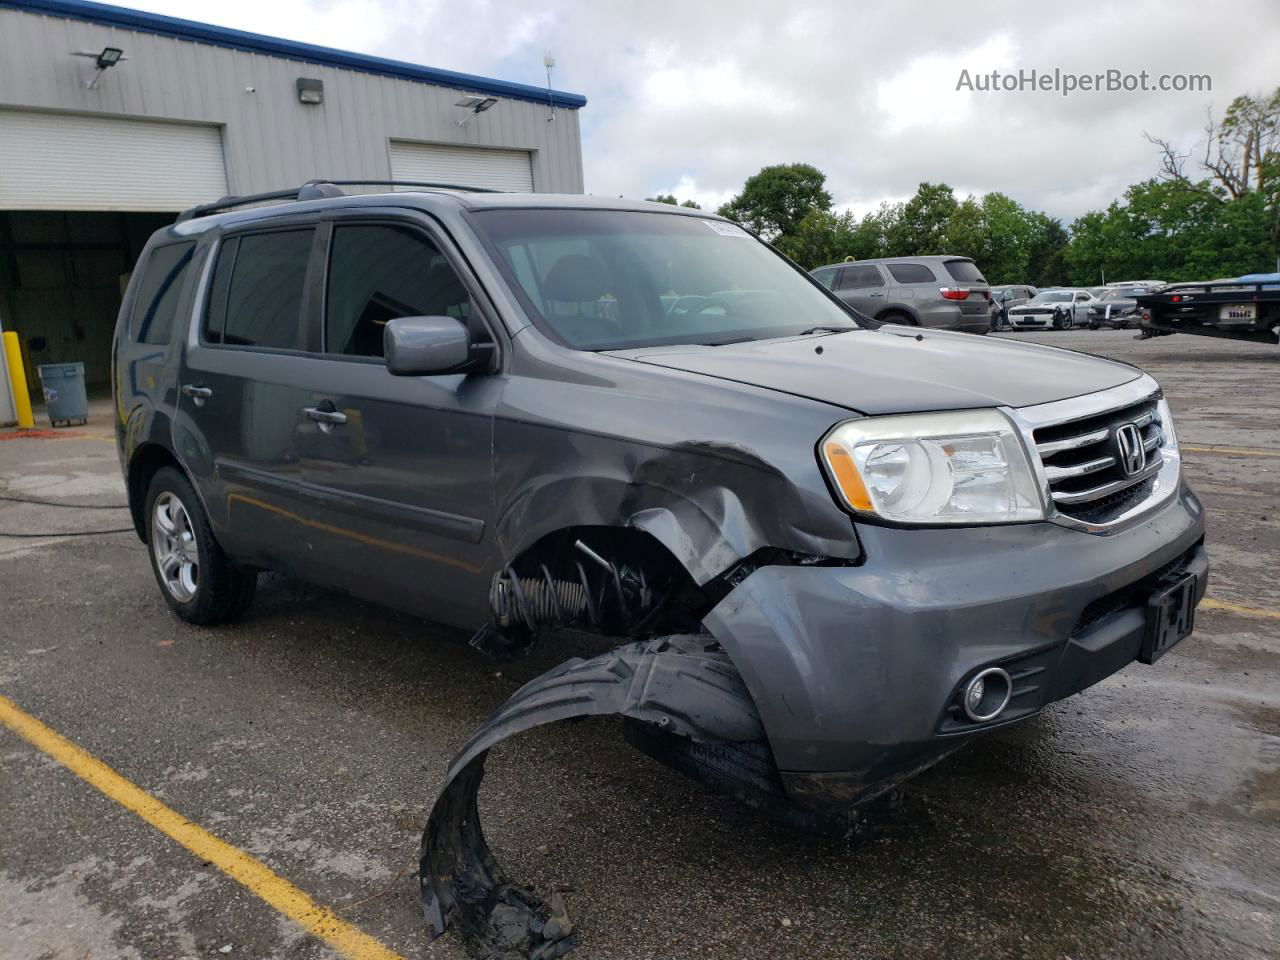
point(1233, 451)
point(1208, 603)
point(319, 921)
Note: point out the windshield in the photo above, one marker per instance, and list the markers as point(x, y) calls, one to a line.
point(1124, 293)
point(609, 279)
point(1052, 296)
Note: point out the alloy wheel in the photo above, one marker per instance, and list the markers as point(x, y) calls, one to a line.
point(174, 544)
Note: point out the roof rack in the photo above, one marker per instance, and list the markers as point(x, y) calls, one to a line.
point(316, 190)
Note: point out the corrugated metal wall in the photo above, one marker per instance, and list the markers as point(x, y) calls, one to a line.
point(269, 138)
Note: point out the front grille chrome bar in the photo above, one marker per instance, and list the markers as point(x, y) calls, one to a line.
point(1106, 489)
point(1079, 470)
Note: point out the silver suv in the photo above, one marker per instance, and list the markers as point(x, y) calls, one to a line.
point(947, 293)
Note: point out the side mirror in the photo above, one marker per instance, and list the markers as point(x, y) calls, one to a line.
point(420, 346)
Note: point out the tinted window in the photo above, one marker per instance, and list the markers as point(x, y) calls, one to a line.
point(912, 273)
point(860, 277)
point(378, 273)
point(965, 271)
point(603, 279)
point(255, 299)
point(825, 277)
point(156, 306)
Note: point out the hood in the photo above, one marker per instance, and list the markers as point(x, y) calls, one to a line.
point(1115, 305)
point(1038, 307)
point(899, 369)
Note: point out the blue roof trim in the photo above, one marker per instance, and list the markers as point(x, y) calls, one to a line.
point(308, 52)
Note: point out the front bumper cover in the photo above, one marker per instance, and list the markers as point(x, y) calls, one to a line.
point(851, 668)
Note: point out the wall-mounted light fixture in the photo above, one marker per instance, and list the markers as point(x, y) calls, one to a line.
point(475, 104)
point(103, 59)
point(310, 91)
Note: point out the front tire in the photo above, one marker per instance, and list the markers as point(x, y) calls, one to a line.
point(198, 581)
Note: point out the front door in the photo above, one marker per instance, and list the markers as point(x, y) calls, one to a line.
point(862, 286)
point(399, 470)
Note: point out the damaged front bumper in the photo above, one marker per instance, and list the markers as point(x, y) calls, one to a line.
point(855, 670)
point(818, 687)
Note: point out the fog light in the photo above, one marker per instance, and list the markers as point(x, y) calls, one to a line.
point(987, 694)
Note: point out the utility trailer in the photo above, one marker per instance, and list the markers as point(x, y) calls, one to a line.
point(1246, 308)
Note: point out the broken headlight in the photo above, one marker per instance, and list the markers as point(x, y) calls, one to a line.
point(965, 467)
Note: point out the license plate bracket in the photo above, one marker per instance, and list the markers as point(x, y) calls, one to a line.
point(1171, 616)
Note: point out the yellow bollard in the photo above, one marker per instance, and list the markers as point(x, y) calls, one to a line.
point(18, 381)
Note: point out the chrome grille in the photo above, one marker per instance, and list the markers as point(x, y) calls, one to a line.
point(1083, 460)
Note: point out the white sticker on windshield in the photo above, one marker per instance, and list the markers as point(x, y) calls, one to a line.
point(726, 229)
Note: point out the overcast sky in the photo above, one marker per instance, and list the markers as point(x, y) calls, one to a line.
point(692, 96)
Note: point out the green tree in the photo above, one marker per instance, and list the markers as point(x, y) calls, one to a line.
point(774, 201)
point(1173, 230)
point(921, 224)
point(670, 198)
point(1046, 264)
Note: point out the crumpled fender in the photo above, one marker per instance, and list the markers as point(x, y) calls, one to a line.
point(710, 505)
point(682, 685)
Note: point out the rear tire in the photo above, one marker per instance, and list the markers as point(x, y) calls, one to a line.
point(198, 581)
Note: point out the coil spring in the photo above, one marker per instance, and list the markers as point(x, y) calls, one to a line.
point(621, 599)
point(538, 602)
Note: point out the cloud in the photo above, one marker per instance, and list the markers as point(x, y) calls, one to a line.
point(692, 98)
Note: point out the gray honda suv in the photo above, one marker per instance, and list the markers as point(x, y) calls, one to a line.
point(946, 293)
point(822, 552)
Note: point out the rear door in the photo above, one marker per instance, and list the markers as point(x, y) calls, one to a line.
point(863, 287)
point(913, 282)
point(243, 378)
point(401, 485)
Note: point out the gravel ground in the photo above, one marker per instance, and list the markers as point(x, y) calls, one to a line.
point(1139, 819)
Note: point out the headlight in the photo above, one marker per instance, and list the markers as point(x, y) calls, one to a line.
point(1170, 445)
point(964, 467)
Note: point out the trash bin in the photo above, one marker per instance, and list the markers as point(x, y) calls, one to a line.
point(63, 385)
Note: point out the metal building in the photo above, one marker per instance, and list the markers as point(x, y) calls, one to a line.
point(114, 120)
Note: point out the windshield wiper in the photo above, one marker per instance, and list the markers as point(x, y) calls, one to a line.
point(826, 329)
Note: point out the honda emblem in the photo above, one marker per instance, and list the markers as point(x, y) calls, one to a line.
point(1132, 455)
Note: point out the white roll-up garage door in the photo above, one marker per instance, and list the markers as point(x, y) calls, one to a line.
point(465, 166)
point(63, 161)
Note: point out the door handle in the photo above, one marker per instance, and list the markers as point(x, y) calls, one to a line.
point(875, 294)
point(197, 393)
point(325, 417)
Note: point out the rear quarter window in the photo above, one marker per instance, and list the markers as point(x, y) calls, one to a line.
point(912, 273)
point(156, 305)
point(965, 271)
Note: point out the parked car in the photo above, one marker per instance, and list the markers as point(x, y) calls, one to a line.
point(1117, 308)
point(834, 551)
point(1059, 309)
point(1005, 298)
point(945, 293)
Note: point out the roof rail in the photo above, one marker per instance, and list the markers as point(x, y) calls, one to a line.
point(405, 183)
point(316, 190)
point(311, 190)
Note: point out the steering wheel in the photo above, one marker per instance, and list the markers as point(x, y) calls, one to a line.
point(687, 303)
point(710, 303)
